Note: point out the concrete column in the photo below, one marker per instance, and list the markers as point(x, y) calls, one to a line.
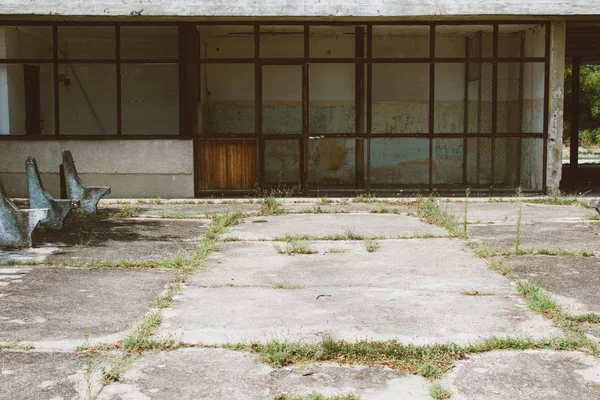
point(556, 104)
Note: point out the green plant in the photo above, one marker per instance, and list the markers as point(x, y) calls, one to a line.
point(286, 286)
point(537, 298)
point(89, 363)
point(270, 206)
point(467, 193)
point(438, 392)
point(371, 245)
point(294, 247)
point(519, 193)
point(316, 396)
point(476, 293)
point(428, 209)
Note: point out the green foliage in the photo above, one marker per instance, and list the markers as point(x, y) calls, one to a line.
point(589, 104)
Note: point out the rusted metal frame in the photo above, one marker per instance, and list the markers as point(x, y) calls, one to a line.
point(431, 129)
point(118, 66)
point(438, 135)
point(56, 86)
point(479, 92)
point(466, 113)
point(575, 90)
point(520, 106)
point(359, 93)
point(188, 80)
point(89, 137)
point(494, 108)
point(369, 101)
point(546, 108)
point(303, 162)
point(281, 61)
point(258, 114)
point(202, 60)
point(85, 23)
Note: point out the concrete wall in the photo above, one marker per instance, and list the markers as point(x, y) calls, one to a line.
point(133, 168)
point(275, 8)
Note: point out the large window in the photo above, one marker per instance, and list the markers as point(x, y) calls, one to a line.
point(100, 80)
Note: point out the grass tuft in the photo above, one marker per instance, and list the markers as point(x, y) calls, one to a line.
point(316, 396)
point(371, 245)
point(438, 392)
point(537, 298)
point(286, 286)
point(270, 206)
point(294, 247)
point(428, 209)
point(476, 293)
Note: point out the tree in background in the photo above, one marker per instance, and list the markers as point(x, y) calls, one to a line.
point(589, 105)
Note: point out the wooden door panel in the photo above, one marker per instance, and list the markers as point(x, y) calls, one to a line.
point(227, 164)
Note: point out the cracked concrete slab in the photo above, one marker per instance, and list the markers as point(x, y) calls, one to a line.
point(507, 212)
point(113, 239)
point(51, 305)
point(347, 208)
point(408, 290)
point(201, 374)
point(182, 210)
point(573, 281)
point(581, 236)
point(388, 225)
point(508, 375)
point(40, 375)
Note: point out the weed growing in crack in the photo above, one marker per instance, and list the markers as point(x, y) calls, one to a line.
point(89, 363)
point(16, 345)
point(335, 251)
point(294, 247)
point(519, 193)
point(285, 286)
point(429, 210)
point(438, 392)
point(270, 206)
point(316, 396)
point(537, 298)
point(429, 361)
point(465, 220)
point(167, 300)
point(371, 245)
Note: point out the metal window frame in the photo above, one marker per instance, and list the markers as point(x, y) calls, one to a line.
point(361, 97)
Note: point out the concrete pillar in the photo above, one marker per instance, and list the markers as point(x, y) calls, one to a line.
point(556, 104)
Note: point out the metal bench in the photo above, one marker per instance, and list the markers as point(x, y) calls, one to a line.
point(16, 225)
point(40, 198)
point(88, 196)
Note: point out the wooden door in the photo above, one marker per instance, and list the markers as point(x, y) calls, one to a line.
point(227, 164)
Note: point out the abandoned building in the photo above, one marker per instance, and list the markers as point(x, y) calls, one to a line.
point(183, 99)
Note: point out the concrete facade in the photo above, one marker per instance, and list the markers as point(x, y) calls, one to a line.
point(133, 168)
point(302, 8)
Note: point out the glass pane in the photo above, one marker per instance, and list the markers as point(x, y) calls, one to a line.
point(26, 99)
point(448, 160)
point(479, 161)
point(88, 42)
point(226, 41)
point(26, 42)
point(331, 42)
point(150, 99)
point(400, 41)
point(479, 111)
point(332, 92)
point(397, 162)
point(282, 99)
point(452, 40)
point(507, 162)
point(282, 163)
point(521, 40)
point(331, 162)
point(281, 41)
point(400, 98)
point(149, 42)
point(520, 97)
point(532, 164)
point(227, 98)
point(88, 99)
point(449, 98)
